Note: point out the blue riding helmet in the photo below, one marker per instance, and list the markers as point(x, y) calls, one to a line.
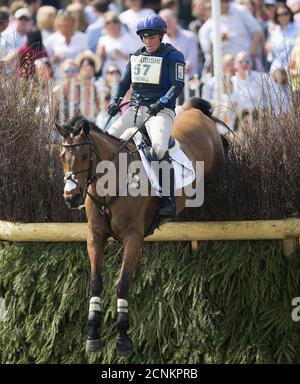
point(151, 25)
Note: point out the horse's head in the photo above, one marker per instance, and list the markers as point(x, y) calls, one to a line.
point(77, 160)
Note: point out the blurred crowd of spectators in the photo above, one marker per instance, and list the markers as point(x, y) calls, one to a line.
point(77, 50)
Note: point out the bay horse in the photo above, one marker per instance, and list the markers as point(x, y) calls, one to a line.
point(125, 218)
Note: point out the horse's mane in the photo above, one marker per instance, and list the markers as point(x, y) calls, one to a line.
point(78, 121)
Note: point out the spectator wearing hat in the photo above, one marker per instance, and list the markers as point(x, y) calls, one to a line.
point(26, 55)
point(66, 42)
point(15, 33)
point(15, 5)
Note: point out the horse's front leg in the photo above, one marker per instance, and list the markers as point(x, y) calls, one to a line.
point(95, 244)
point(133, 243)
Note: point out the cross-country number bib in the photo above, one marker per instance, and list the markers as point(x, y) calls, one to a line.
point(146, 69)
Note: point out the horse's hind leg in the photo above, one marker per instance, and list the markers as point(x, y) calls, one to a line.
point(95, 244)
point(132, 246)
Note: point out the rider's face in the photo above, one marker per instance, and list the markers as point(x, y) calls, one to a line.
point(151, 43)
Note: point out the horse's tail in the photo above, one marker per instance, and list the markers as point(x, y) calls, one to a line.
point(205, 107)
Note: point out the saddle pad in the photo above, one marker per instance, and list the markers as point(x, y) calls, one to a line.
point(183, 168)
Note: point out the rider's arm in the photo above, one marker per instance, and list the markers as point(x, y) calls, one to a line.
point(123, 85)
point(176, 75)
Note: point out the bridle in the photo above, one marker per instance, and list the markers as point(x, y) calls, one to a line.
point(91, 175)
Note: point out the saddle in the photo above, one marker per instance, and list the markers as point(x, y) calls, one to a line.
point(146, 145)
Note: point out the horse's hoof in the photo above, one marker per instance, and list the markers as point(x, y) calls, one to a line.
point(124, 346)
point(93, 346)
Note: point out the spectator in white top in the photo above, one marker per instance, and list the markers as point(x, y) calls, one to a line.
point(283, 37)
point(183, 40)
point(45, 19)
point(280, 92)
point(116, 45)
point(295, 7)
point(94, 30)
point(4, 22)
point(15, 34)
point(134, 14)
point(249, 86)
point(225, 110)
point(240, 31)
point(65, 43)
point(90, 11)
point(88, 64)
point(201, 10)
point(209, 91)
point(67, 91)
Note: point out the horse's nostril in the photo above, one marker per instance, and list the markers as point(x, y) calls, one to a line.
point(73, 201)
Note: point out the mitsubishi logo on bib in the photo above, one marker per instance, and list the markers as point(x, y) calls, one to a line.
point(146, 69)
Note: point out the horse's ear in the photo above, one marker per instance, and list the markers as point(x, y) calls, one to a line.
point(61, 130)
point(85, 128)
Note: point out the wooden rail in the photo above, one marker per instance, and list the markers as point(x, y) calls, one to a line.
point(287, 230)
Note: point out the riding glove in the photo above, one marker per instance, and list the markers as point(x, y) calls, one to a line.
point(155, 108)
point(113, 109)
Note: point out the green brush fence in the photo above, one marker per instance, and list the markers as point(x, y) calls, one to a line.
point(229, 302)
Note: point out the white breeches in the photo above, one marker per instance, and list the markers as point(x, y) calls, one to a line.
point(159, 127)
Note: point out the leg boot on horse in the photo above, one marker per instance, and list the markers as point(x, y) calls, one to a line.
point(133, 242)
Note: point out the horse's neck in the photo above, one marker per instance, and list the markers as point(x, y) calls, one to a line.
point(105, 145)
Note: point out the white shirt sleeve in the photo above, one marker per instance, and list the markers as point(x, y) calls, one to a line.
point(49, 46)
point(205, 36)
point(192, 57)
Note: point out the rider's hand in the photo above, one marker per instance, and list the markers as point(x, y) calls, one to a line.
point(155, 108)
point(113, 109)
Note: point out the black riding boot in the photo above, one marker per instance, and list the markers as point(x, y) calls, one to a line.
point(168, 203)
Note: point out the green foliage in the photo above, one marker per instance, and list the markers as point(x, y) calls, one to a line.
point(230, 302)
